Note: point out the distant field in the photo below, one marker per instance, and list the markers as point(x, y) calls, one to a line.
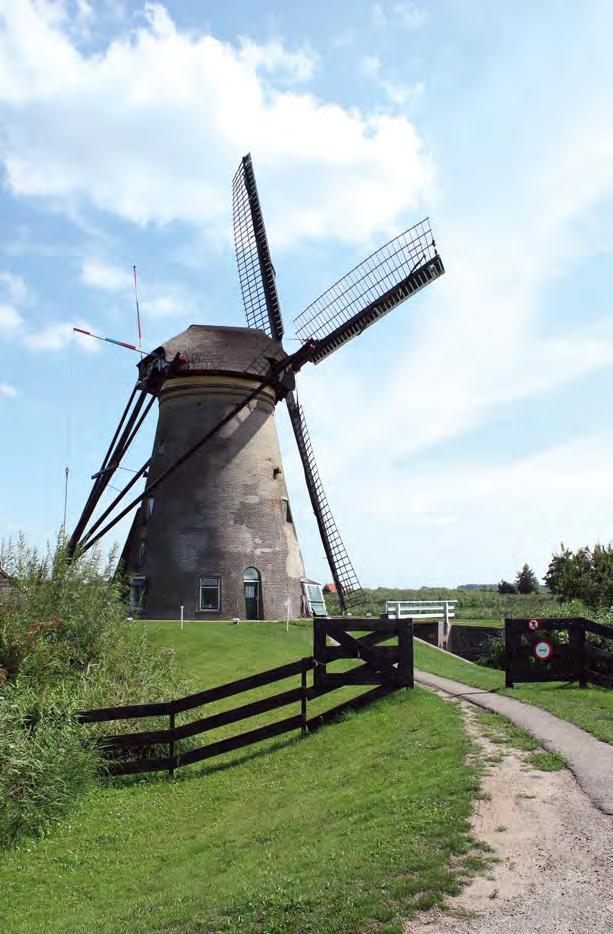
point(350, 829)
point(471, 605)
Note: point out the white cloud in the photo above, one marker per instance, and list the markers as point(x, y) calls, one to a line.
point(407, 14)
point(156, 299)
point(7, 391)
point(10, 321)
point(295, 67)
point(49, 337)
point(12, 286)
point(58, 335)
point(152, 127)
point(102, 275)
point(396, 92)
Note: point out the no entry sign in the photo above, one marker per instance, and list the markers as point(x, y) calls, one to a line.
point(543, 650)
point(533, 625)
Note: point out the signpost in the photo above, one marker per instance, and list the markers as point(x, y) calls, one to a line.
point(543, 650)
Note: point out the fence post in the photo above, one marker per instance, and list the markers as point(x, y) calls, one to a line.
point(303, 700)
point(577, 643)
point(171, 742)
point(508, 654)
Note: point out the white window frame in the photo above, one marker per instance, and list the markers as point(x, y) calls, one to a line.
point(217, 579)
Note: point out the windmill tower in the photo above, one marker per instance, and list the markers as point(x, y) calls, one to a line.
point(214, 530)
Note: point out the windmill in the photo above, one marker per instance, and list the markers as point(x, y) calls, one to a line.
point(213, 530)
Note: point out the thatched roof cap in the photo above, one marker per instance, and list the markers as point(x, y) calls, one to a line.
point(211, 349)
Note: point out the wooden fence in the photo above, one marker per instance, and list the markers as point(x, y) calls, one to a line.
point(389, 668)
point(558, 650)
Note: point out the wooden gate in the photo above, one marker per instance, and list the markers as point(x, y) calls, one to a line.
point(575, 649)
point(388, 665)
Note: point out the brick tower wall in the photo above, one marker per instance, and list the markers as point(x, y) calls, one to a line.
point(226, 509)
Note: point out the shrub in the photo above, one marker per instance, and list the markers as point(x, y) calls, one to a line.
point(65, 644)
point(506, 587)
point(495, 655)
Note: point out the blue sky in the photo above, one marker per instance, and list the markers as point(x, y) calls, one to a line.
point(466, 433)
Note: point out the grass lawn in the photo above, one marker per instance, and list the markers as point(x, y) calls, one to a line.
point(349, 829)
point(590, 708)
point(494, 623)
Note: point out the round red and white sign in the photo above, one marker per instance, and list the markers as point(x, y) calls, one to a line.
point(533, 624)
point(543, 650)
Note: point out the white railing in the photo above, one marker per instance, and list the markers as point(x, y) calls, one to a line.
point(421, 609)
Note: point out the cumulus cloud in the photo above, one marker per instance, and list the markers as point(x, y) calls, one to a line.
point(48, 337)
point(11, 321)
point(397, 92)
point(102, 275)
point(7, 391)
point(156, 299)
point(57, 336)
point(406, 13)
point(151, 128)
point(12, 286)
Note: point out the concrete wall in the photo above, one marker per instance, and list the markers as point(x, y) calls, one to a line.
point(220, 512)
point(471, 642)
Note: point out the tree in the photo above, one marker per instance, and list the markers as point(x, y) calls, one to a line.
point(506, 587)
point(526, 580)
point(586, 574)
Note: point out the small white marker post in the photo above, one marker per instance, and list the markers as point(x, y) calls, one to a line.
point(181, 617)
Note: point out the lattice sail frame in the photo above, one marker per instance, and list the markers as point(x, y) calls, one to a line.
point(256, 272)
point(370, 290)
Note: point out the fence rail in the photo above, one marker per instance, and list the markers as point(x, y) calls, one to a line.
point(384, 666)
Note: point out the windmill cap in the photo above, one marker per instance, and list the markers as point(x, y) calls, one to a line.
point(204, 348)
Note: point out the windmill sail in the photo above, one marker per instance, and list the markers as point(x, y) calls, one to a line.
point(385, 279)
point(346, 580)
point(256, 272)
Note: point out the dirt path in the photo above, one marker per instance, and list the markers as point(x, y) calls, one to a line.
point(554, 873)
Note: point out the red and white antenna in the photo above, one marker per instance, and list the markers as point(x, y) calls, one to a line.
point(140, 333)
point(109, 340)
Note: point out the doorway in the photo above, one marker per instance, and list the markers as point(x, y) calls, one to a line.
point(253, 593)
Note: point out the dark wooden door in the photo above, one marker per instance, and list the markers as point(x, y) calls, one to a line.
point(252, 599)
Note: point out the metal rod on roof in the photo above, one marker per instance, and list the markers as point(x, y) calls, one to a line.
point(140, 333)
point(109, 340)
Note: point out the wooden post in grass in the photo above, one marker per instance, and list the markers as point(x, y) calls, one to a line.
point(303, 700)
point(171, 742)
point(181, 617)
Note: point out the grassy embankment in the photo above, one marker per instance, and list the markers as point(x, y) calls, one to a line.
point(352, 828)
point(590, 708)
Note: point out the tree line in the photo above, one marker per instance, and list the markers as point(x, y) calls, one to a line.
point(585, 574)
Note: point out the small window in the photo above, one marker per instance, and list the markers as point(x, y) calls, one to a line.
point(209, 594)
point(141, 553)
point(149, 505)
point(137, 592)
point(287, 512)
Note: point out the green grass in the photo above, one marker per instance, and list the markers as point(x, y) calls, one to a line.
point(350, 829)
point(494, 623)
point(590, 708)
point(504, 733)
